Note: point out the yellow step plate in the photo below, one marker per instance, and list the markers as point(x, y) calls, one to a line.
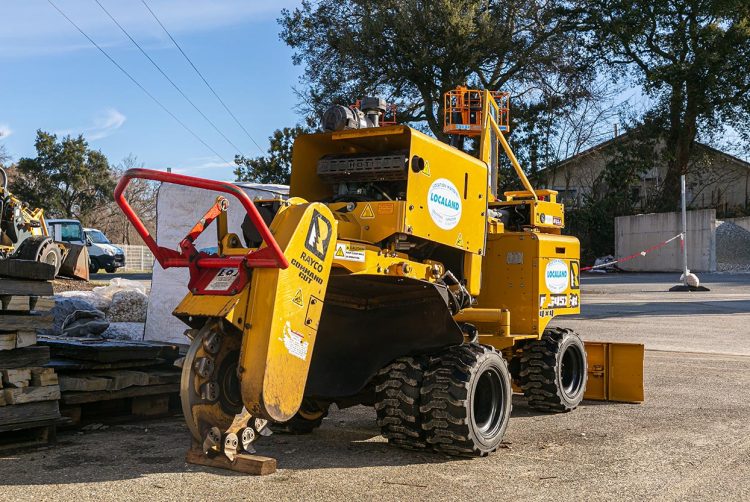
point(615, 372)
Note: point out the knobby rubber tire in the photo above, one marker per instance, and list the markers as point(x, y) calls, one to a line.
point(453, 389)
point(309, 417)
point(397, 402)
point(39, 248)
point(541, 371)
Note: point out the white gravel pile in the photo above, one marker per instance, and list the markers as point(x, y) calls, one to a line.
point(125, 331)
point(128, 305)
point(732, 247)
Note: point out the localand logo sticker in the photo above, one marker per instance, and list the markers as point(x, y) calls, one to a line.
point(295, 342)
point(223, 279)
point(556, 276)
point(318, 235)
point(444, 204)
point(349, 252)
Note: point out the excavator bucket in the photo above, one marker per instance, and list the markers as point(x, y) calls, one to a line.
point(76, 262)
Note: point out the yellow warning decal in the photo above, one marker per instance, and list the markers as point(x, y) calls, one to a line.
point(426, 170)
point(460, 240)
point(348, 252)
point(297, 300)
point(367, 212)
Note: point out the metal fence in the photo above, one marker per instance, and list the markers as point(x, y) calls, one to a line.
point(137, 257)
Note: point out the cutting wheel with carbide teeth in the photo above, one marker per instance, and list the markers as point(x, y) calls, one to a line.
point(210, 387)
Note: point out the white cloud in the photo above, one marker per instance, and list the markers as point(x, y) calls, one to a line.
point(103, 124)
point(202, 163)
point(5, 130)
point(34, 27)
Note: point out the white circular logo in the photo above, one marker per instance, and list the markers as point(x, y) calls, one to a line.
point(444, 204)
point(556, 276)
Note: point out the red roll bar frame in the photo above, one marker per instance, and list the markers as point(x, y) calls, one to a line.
point(269, 256)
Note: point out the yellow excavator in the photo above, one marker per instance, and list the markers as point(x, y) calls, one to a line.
point(24, 236)
point(394, 276)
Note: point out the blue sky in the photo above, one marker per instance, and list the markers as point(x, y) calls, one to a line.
point(52, 78)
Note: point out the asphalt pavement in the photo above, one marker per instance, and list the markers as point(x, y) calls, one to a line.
point(689, 440)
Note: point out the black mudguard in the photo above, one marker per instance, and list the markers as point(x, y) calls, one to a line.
point(368, 321)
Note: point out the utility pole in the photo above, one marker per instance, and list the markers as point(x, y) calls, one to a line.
point(685, 270)
point(690, 281)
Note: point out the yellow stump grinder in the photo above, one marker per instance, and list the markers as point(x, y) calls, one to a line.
point(393, 276)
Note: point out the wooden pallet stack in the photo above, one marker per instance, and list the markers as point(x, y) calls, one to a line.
point(112, 381)
point(29, 392)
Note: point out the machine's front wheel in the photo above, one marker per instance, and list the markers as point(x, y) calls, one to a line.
point(466, 400)
point(397, 402)
point(553, 371)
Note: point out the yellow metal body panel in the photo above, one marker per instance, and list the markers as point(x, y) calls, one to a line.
point(615, 372)
point(446, 202)
point(213, 306)
point(448, 199)
point(283, 312)
point(370, 221)
point(534, 276)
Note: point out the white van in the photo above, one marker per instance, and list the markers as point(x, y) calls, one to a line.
point(102, 254)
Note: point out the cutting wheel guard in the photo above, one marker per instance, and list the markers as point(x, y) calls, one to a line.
point(205, 268)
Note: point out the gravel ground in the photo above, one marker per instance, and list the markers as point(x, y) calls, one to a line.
point(689, 440)
point(59, 285)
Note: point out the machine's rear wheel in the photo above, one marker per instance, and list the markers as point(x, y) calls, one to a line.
point(466, 400)
point(397, 402)
point(42, 249)
point(553, 371)
point(309, 417)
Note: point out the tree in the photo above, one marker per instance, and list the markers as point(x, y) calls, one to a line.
point(4, 157)
point(66, 178)
point(611, 192)
point(690, 56)
point(276, 167)
point(141, 195)
point(411, 51)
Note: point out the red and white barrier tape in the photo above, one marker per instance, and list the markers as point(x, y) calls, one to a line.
point(636, 255)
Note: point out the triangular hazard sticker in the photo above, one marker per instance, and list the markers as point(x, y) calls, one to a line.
point(339, 251)
point(367, 212)
point(460, 240)
point(297, 300)
point(426, 170)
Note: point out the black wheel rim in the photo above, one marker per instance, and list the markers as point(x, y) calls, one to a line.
point(489, 403)
point(572, 371)
point(51, 259)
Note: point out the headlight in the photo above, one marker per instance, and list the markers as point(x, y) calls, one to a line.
point(109, 251)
